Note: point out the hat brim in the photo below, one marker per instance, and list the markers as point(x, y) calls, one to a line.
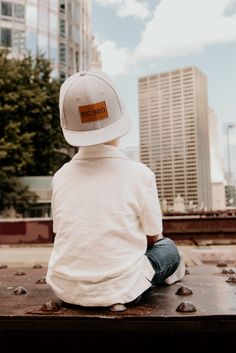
point(94, 137)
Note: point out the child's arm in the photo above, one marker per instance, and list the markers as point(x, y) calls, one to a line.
point(151, 215)
point(151, 240)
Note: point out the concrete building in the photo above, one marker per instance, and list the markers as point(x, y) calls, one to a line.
point(42, 187)
point(216, 163)
point(174, 141)
point(230, 172)
point(230, 195)
point(61, 30)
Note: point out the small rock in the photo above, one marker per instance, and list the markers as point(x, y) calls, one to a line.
point(227, 271)
point(41, 280)
point(2, 267)
point(186, 307)
point(231, 279)
point(37, 266)
point(221, 264)
point(117, 307)
point(187, 271)
point(20, 273)
point(52, 305)
point(19, 291)
point(184, 291)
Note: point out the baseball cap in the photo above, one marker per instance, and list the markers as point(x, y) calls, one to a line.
point(91, 109)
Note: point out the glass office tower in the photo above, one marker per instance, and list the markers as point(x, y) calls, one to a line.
point(59, 29)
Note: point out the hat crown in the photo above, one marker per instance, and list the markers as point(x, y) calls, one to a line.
point(89, 101)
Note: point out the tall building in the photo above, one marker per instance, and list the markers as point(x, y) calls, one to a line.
point(230, 152)
point(174, 141)
point(59, 29)
point(96, 61)
point(216, 163)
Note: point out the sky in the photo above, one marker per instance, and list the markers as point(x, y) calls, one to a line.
point(138, 38)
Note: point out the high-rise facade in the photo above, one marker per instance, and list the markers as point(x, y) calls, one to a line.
point(174, 140)
point(96, 61)
point(59, 29)
point(216, 163)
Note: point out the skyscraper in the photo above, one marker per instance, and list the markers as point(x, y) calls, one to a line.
point(174, 141)
point(216, 163)
point(59, 29)
point(96, 61)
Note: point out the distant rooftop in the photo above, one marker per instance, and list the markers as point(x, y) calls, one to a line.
point(37, 182)
point(41, 185)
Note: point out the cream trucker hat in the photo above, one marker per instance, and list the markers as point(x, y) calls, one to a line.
point(91, 109)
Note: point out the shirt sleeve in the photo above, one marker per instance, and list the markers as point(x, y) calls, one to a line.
point(54, 225)
point(151, 215)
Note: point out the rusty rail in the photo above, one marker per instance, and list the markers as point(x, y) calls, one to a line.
point(177, 227)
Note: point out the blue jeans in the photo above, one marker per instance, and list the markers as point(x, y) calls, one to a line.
point(164, 257)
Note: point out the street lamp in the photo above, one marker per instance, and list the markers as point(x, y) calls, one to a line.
point(229, 126)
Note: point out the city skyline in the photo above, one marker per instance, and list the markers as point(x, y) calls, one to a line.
point(128, 36)
point(146, 38)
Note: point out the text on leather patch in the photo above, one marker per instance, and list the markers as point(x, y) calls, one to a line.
point(93, 112)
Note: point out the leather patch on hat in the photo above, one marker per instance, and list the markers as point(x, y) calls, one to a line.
point(93, 112)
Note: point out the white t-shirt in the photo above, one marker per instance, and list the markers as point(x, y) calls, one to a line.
point(103, 206)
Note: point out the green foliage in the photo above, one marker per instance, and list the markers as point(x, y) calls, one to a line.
point(31, 140)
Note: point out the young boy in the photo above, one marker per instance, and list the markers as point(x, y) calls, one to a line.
point(109, 246)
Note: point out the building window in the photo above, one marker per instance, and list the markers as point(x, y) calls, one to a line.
point(31, 42)
point(6, 37)
point(62, 75)
point(18, 40)
point(31, 16)
point(54, 3)
point(53, 22)
point(70, 32)
point(43, 44)
point(70, 59)
point(62, 54)
point(77, 60)
point(6, 8)
point(53, 47)
point(43, 19)
point(62, 5)
point(77, 12)
point(19, 11)
point(62, 27)
point(69, 8)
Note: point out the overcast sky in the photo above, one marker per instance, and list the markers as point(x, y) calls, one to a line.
point(138, 38)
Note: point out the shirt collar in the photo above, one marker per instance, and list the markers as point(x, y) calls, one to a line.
point(99, 151)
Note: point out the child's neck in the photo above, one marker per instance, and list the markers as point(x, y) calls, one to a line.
point(113, 142)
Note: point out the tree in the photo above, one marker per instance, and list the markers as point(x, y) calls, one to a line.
point(15, 154)
point(31, 141)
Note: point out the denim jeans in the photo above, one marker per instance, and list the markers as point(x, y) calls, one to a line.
point(164, 257)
